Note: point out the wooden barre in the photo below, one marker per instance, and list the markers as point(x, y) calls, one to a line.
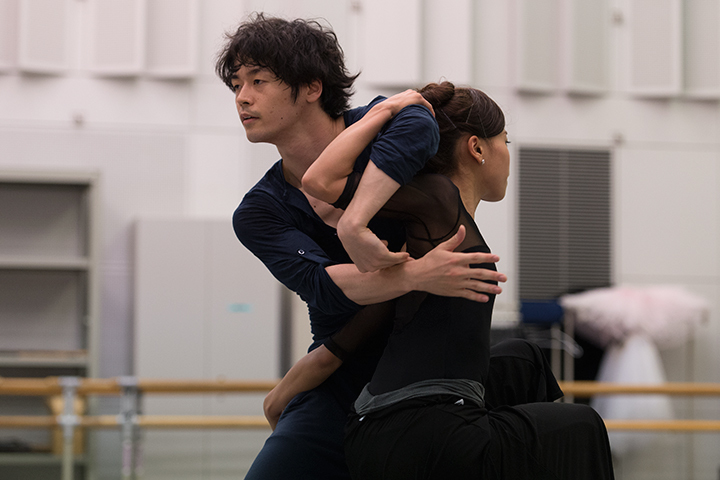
point(247, 422)
point(114, 386)
point(671, 425)
point(589, 388)
point(148, 421)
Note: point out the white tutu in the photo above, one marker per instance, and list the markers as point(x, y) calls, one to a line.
point(635, 360)
point(665, 314)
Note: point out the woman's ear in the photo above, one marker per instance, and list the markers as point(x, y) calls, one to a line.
point(475, 148)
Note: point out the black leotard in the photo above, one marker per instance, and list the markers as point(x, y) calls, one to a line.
point(433, 337)
point(424, 414)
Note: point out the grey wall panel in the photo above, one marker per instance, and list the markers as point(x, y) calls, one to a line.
point(538, 55)
point(117, 33)
point(205, 308)
point(448, 53)
point(172, 38)
point(587, 48)
point(391, 42)
point(653, 44)
point(9, 12)
point(243, 304)
point(701, 53)
point(169, 300)
point(44, 31)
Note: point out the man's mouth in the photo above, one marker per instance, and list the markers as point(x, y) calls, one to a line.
point(247, 118)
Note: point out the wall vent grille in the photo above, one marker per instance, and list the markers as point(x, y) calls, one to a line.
point(564, 229)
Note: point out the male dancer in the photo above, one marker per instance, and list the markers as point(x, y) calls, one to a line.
point(292, 90)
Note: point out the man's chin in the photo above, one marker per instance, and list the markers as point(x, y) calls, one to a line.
point(254, 138)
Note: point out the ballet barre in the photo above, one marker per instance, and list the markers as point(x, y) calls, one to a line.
point(586, 389)
point(129, 420)
point(114, 386)
point(147, 421)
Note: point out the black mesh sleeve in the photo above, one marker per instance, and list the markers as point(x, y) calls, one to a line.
point(368, 322)
point(432, 211)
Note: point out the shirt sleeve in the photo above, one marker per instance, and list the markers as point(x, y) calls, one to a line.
point(406, 143)
point(292, 257)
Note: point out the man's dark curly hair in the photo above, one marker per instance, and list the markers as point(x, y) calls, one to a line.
point(297, 51)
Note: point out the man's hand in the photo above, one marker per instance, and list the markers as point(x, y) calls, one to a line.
point(442, 271)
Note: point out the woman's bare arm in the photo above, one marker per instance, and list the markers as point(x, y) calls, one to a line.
point(326, 177)
point(309, 372)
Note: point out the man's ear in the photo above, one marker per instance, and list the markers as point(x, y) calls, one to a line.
point(313, 91)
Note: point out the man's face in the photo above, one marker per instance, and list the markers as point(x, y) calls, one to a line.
point(265, 104)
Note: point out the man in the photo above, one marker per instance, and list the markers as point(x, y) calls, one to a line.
point(292, 90)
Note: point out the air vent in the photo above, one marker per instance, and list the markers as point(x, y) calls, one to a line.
point(564, 230)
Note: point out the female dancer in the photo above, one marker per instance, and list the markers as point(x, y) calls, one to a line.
point(433, 408)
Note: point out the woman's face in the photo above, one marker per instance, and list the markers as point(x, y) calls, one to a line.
point(496, 169)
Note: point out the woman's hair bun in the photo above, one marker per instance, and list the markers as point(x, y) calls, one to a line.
point(438, 94)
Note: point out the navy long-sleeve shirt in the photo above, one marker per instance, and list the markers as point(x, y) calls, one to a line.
point(277, 224)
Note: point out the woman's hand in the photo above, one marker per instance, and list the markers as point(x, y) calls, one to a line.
point(271, 409)
point(365, 249)
point(401, 100)
point(307, 373)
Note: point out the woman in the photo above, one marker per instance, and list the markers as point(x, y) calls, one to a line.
point(433, 408)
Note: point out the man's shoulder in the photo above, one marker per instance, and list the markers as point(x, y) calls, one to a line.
point(266, 194)
point(272, 183)
point(355, 114)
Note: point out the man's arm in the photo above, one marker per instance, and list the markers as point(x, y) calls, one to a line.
point(271, 231)
point(442, 271)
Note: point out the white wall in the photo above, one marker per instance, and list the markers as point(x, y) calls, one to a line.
point(174, 146)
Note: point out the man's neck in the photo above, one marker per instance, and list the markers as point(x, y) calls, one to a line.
point(301, 148)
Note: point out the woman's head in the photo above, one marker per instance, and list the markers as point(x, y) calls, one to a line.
point(460, 113)
point(470, 120)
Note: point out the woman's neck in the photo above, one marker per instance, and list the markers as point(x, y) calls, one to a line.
point(468, 191)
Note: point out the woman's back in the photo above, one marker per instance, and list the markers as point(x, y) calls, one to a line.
point(434, 337)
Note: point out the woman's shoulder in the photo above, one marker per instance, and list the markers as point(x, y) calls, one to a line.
point(437, 188)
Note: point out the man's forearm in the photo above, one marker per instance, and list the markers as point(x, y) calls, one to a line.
point(371, 287)
point(442, 271)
